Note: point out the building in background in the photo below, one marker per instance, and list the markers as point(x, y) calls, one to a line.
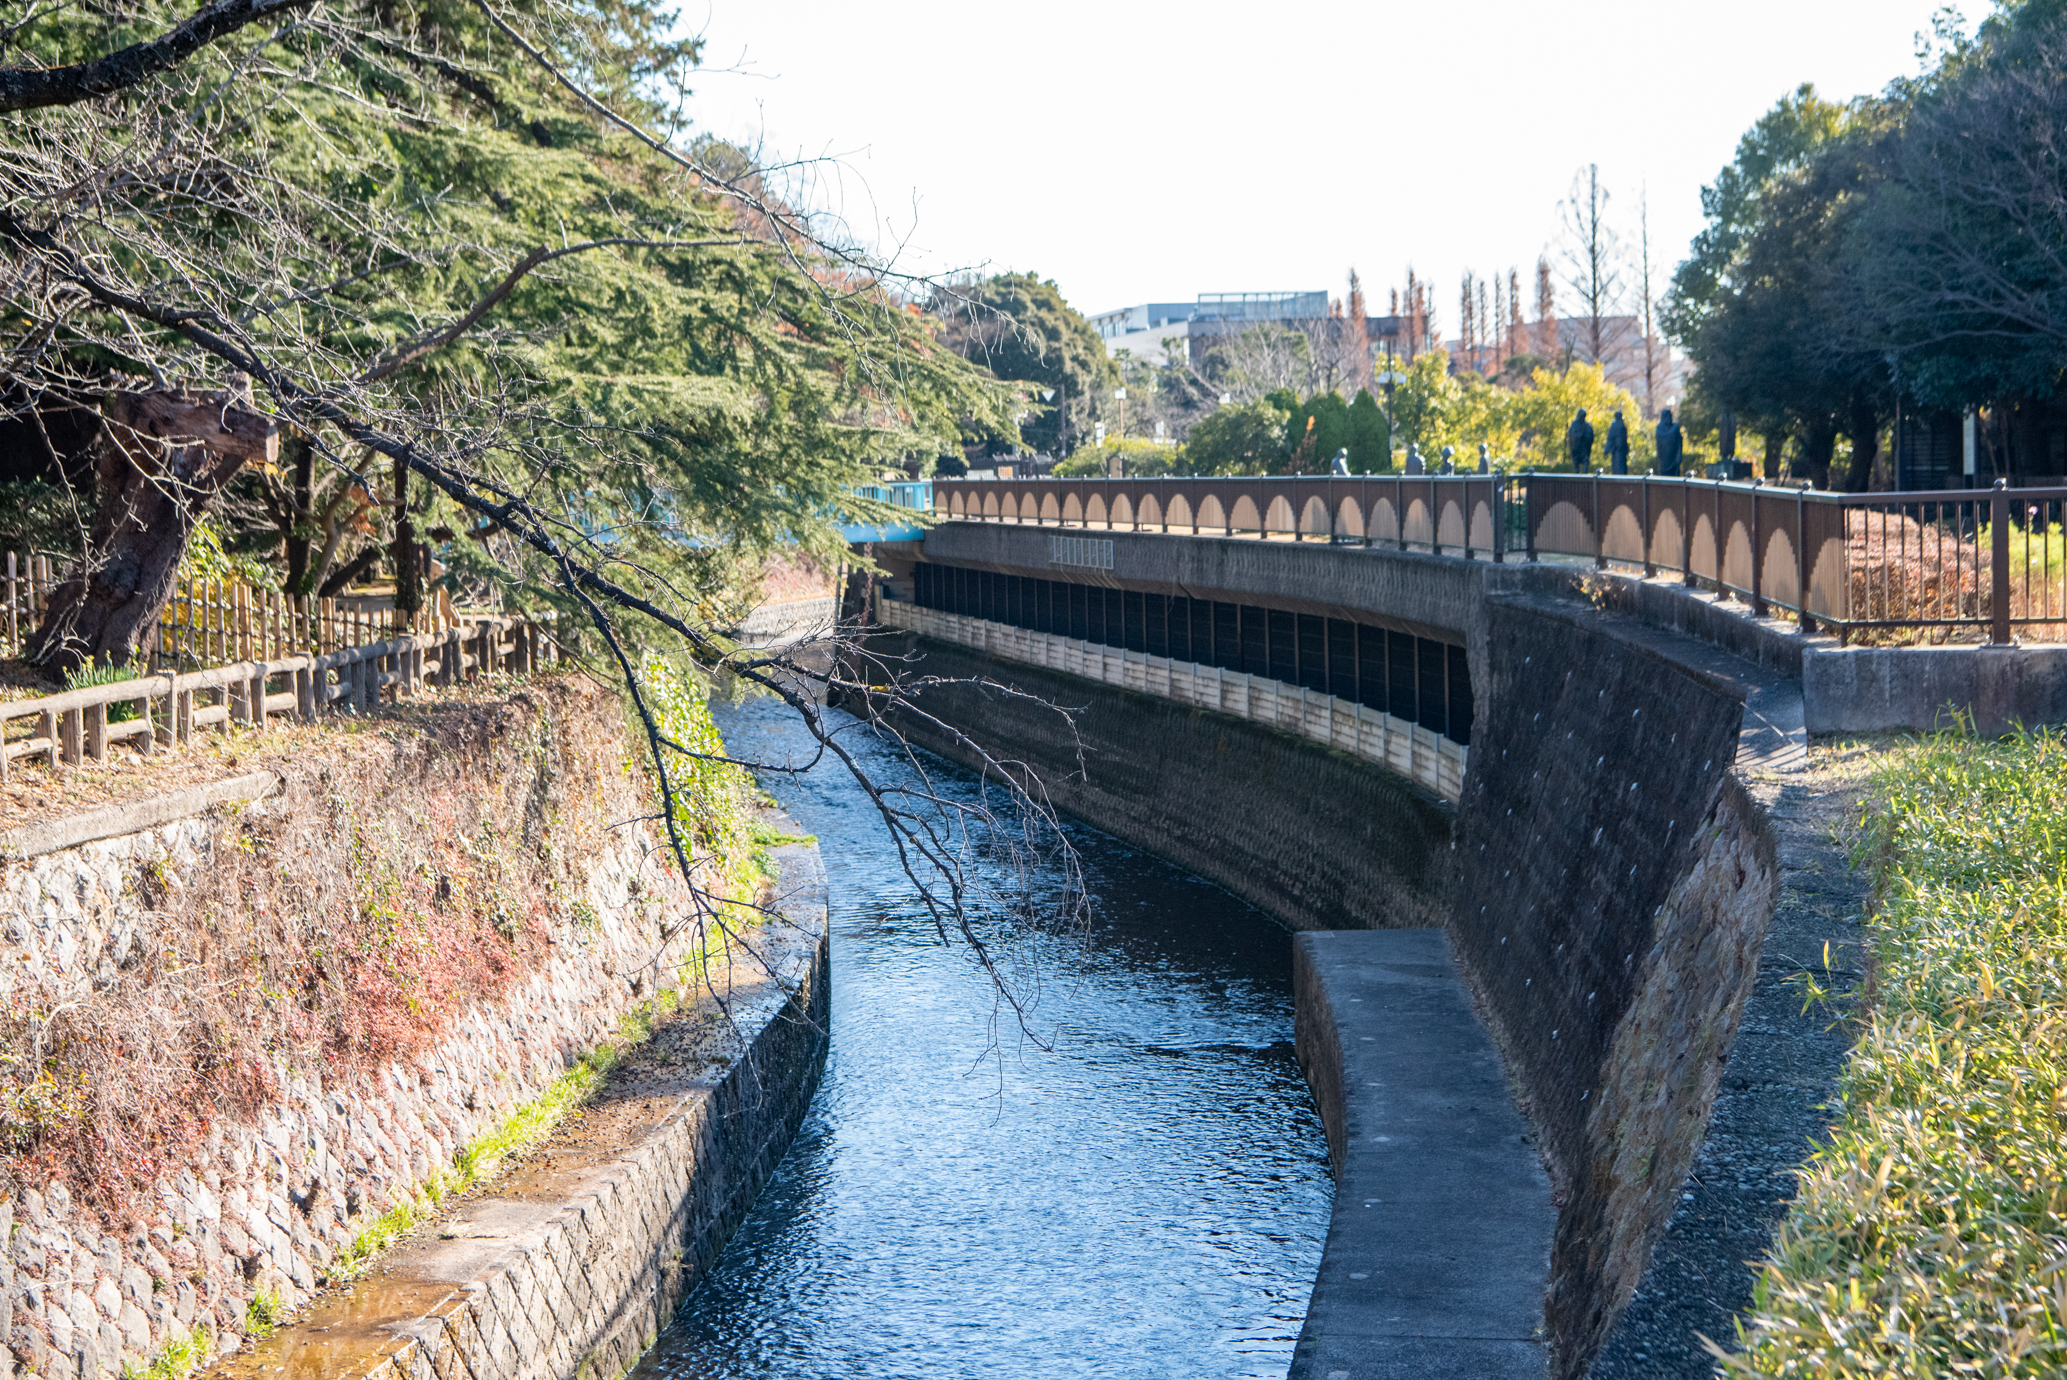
point(1143, 329)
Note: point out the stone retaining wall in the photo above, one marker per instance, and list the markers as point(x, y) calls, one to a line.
point(569, 1269)
point(265, 1204)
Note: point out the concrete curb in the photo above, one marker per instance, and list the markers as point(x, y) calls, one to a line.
point(113, 821)
point(1439, 1248)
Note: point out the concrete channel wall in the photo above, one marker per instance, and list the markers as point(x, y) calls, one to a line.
point(1603, 883)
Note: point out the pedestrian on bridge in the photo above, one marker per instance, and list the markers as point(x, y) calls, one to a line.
point(1415, 464)
point(1671, 445)
point(1618, 444)
point(1341, 461)
point(1579, 443)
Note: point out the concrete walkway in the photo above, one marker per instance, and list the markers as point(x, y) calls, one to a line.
point(1439, 1249)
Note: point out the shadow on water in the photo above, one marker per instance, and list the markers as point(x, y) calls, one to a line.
point(1148, 1197)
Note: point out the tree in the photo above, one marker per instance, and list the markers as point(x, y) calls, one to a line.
point(1770, 341)
point(1018, 326)
point(1780, 144)
point(1594, 263)
point(1424, 401)
point(1957, 265)
point(1240, 438)
point(442, 244)
point(1370, 437)
point(1547, 343)
point(1317, 431)
point(1259, 360)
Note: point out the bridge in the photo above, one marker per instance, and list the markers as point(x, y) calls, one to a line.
point(1522, 718)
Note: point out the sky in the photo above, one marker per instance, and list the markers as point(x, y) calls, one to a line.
point(1139, 153)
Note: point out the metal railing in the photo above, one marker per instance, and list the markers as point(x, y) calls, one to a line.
point(916, 495)
point(1972, 564)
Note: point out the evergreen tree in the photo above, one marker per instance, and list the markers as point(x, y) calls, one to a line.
point(1370, 438)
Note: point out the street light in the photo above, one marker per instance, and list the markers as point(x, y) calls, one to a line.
point(1121, 394)
point(1062, 445)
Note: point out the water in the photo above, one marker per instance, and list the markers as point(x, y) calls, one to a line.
point(1147, 1198)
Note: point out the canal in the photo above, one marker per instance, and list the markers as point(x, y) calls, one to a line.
point(1148, 1195)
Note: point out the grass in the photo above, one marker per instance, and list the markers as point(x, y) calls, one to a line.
point(482, 1158)
point(1930, 1236)
point(177, 1359)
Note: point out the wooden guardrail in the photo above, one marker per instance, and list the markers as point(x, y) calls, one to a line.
point(162, 709)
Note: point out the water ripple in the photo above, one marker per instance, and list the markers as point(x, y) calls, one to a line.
point(1148, 1197)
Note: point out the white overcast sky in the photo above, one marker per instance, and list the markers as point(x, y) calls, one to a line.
point(1137, 152)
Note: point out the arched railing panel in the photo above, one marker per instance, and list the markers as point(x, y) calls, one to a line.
point(1385, 520)
point(1245, 518)
point(1349, 519)
point(1563, 527)
point(1450, 530)
point(1278, 517)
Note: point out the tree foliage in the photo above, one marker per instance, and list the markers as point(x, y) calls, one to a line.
point(1017, 326)
point(397, 230)
point(1910, 247)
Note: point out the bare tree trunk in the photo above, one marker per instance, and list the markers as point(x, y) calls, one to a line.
point(163, 458)
point(1865, 434)
point(1818, 444)
point(1774, 441)
point(301, 532)
point(1546, 314)
point(408, 578)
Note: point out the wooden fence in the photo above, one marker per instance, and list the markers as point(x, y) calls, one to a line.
point(214, 622)
point(254, 654)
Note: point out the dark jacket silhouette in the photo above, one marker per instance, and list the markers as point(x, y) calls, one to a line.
point(1671, 445)
point(1579, 442)
point(1618, 445)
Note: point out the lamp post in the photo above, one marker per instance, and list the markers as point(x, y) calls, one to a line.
point(1062, 444)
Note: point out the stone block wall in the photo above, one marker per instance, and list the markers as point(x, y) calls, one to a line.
point(1615, 891)
point(99, 1275)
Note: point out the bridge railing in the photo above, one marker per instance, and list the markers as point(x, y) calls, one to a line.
point(1969, 564)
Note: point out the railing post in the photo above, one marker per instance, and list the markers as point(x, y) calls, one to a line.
point(1758, 597)
point(1528, 527)
point(1650, 568)
point(1801, 557)
point(1999, 532)
point(1499, 519)
point(1600, 560)
point(1686, 530)
point(1435, 519)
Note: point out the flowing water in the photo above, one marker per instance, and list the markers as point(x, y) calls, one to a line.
point(1146, 1198)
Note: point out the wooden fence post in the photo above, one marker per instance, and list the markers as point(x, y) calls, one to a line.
point(46, 729)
